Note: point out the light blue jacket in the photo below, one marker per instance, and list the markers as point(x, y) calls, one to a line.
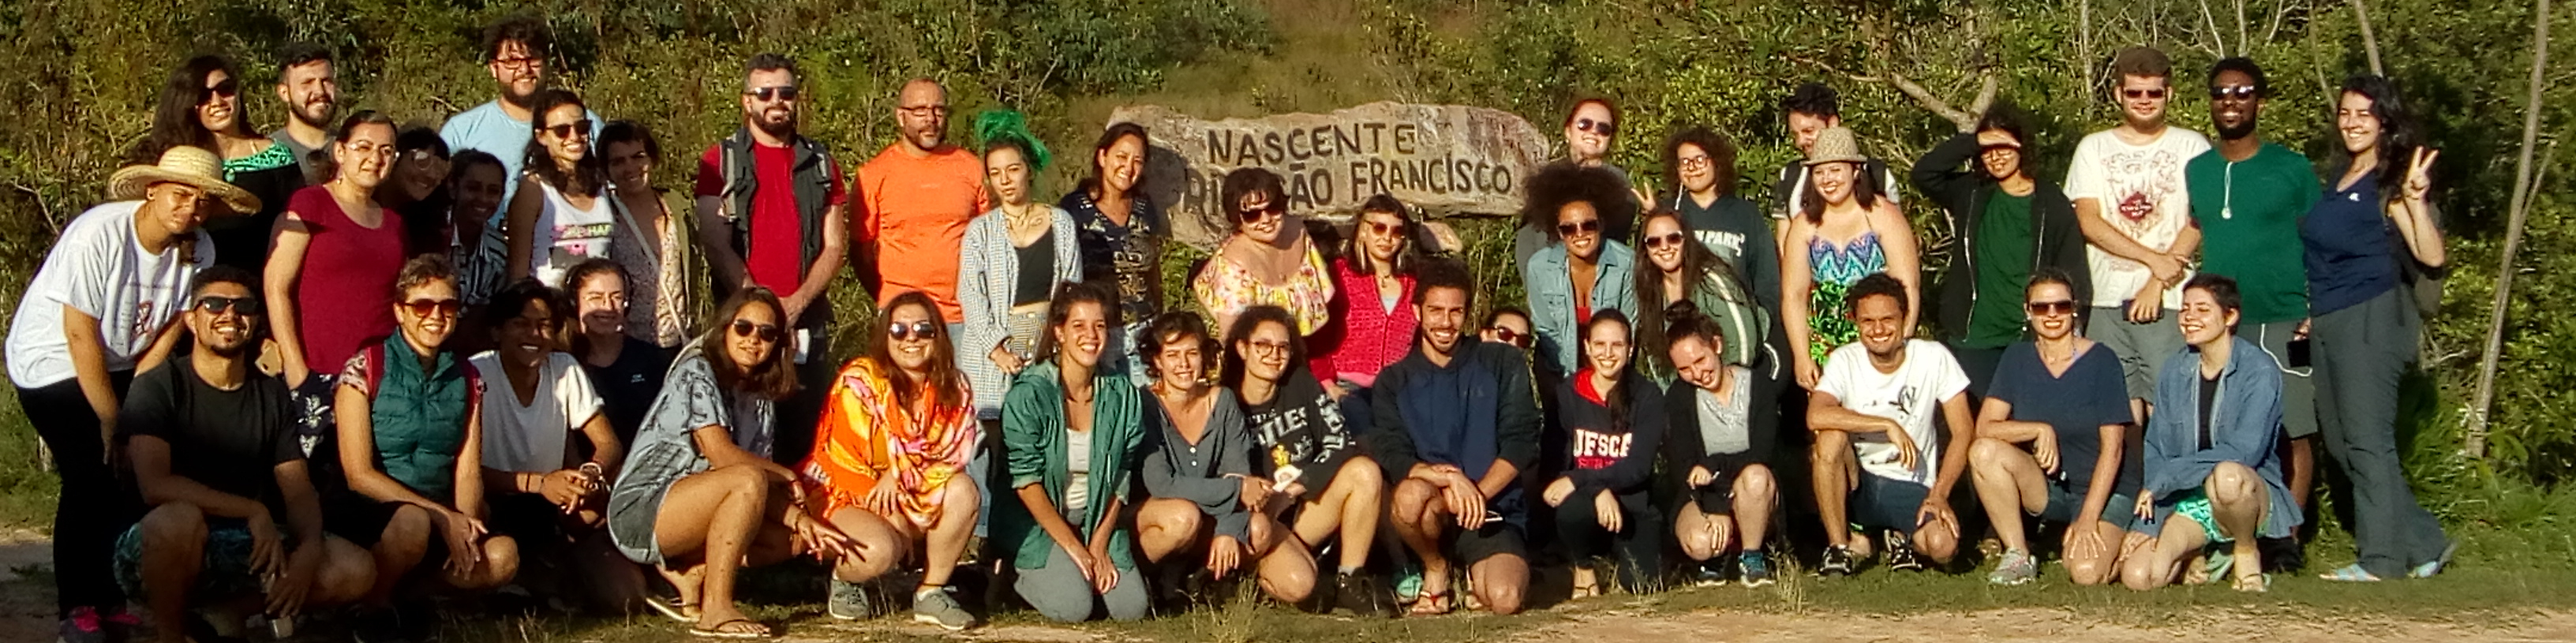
point(2243, 427)
point(1551, 299)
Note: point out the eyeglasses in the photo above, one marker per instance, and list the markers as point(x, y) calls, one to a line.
point(229, 88)
point(1694, 162)
point(766, 332)
point(1268, 349)
point(2135, 94)
point(1667, 239)
point(1586, 226)
point(566, 130)
point(1382, 229)
point(924, 111)
point(780, 92)
point(1509, 336)
point(924, 329)
point(426, 307)
point(2051, 308)
point(2232, 92)
point(1604, 128)
point(520, 64)
point(1249, 215)
point(238, 305)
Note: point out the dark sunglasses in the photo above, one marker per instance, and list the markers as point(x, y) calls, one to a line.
point(924, 329)
point(2238, 92)
point(781, 92)
point(2059, 307)
point(1510, 336)
point(424, 307)
point(1382, 229)
point(239, 305)
point(1604, 128)
point(1668, 239)
point(566, 130)
point(1584, 226)
point(1249, 215)
point(229, 88)
point(2142, 93)
point(766, 332)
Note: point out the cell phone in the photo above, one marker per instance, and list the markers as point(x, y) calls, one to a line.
point(2299, 356)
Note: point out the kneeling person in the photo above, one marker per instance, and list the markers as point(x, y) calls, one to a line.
point(1720, 446)
point(1326, 489)
point(1878, 458)
point(538, 402)
point(1456, 422)
point(2064, 397)
point(1198, 473)
point(2212, 475)
point(214, 451)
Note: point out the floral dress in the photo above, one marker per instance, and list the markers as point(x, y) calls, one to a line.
point(1836, 268)
point(1226, 288)
point(867, 434)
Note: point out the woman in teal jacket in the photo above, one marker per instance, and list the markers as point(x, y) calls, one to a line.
point(1073, 433)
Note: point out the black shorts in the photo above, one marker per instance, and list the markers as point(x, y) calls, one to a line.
point(528, 518)
point(1497, 538)
point(1887, 503)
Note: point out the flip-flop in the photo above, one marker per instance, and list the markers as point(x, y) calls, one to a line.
point(672, 609)
point(2352, 573)
point(1432, 604)
point(719, 631)
point(2260, 583)
point(2435, 566)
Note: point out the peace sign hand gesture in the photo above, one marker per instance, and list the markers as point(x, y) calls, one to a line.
point(2419, 173)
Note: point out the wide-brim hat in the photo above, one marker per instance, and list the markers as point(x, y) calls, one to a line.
point(1836, 145)
point(182, 164)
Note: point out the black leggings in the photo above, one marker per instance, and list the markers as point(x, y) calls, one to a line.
point(96, 505)
point(1637, 547)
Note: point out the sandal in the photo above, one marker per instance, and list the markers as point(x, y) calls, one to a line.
point(734, 629)
point(2257, 583)
point(2435, 566)
point(672, 609)
point(1432, 604)
point(2352, 573)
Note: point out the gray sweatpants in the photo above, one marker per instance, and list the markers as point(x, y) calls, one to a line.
point(1060, 593)
point(2298, 388)
point(2143, 348)
point(2361, 352)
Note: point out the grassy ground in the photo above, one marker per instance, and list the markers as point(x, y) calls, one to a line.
point(26, 489)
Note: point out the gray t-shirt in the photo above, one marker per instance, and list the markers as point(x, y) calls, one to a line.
point(1724, 424)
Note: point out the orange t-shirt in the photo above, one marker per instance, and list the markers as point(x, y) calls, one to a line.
point(915, 216)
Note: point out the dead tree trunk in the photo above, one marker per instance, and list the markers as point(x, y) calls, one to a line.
point(2524, 178)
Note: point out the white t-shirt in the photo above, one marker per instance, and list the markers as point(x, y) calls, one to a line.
point(532, 439)
point(1911, 396)
point(97, 267)
point(2143, 194)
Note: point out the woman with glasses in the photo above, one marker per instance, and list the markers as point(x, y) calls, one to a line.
point(325, 281)
point(1317, 481)
point(410, 436)
point(1074, 432)
point(1268, 260)
point(1373, 298)
point(563, 211)
point(889, 464)
point(1679, 268)
point(2049, 443)
point(1847, 231)
point(698, 497)
point(1507, 324)
point(201, 106)
point(1582, 269)
point(1591, 128)
point(1012, 262)
point(2010, 225)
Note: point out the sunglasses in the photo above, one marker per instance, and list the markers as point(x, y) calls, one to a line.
point(1509, 336)
point(1249, 215)
point(2059, 307)
point(238, 305)
point(425, 307)
point(229, 88)
point(1667, 239)
point(1604, 128)
point(781, 92)
point(766, 332)
point(903, 332)
point(1382, 229)
point(2135, 94)
point(2236, 92)
point(566, 130)
point(1586, 226)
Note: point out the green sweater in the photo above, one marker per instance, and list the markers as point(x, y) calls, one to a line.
point(1033, 437)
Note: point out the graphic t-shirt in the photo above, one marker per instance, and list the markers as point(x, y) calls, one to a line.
point(1911, 396)
point(2142, 192)
point(98, 268)
point(2248, 212)
point(534, 438)
point(229, 441)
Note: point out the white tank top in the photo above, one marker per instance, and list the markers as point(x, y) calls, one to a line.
point(566, 235)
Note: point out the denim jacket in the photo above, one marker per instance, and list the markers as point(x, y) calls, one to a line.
point(2243, 428)
point(1551, 299)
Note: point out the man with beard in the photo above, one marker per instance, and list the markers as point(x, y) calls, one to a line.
point(309, 85)
point(234, 513)
point(2247, 197)
point(916, 197)
point(1455, 424)
point(2128, 188)
point(515, 50)
point(769, 208)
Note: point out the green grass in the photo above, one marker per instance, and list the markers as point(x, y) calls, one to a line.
point(27, 490)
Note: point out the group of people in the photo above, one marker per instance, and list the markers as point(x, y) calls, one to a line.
point(264, 368)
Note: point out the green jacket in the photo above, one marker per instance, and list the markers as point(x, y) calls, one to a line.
point(1033, 438)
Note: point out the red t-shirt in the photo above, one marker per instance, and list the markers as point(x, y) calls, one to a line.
point(777, 247)
point(344, 296)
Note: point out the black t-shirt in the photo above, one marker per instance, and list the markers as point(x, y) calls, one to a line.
point(2208, 403)
point(626, 387)
point(1037, 270)
point(229, 441)
point(2075, 405)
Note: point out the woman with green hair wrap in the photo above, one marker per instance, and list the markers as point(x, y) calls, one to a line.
point(1012, 261)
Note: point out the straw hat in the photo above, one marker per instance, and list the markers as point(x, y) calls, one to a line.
point(182, 164)
point(1836, 145)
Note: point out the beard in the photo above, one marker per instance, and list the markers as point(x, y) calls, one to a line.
point(782, 128)
point(2237, 132)
point(316, 115)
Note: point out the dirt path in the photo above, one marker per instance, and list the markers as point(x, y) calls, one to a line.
point(2032, 625)
point(26, 586)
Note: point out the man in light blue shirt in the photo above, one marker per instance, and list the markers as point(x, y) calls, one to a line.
point(515, 50)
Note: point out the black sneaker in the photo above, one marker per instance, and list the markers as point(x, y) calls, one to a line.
point(1364, 596)
point(1755, 569)
point(1708, 573)
point(2282, 555)
point(1900, 552)
point(1838, 561)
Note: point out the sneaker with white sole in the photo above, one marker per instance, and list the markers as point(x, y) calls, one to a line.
point(849, 601)
point(936, 607)
point(1753, 569)
point(2016, 567)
